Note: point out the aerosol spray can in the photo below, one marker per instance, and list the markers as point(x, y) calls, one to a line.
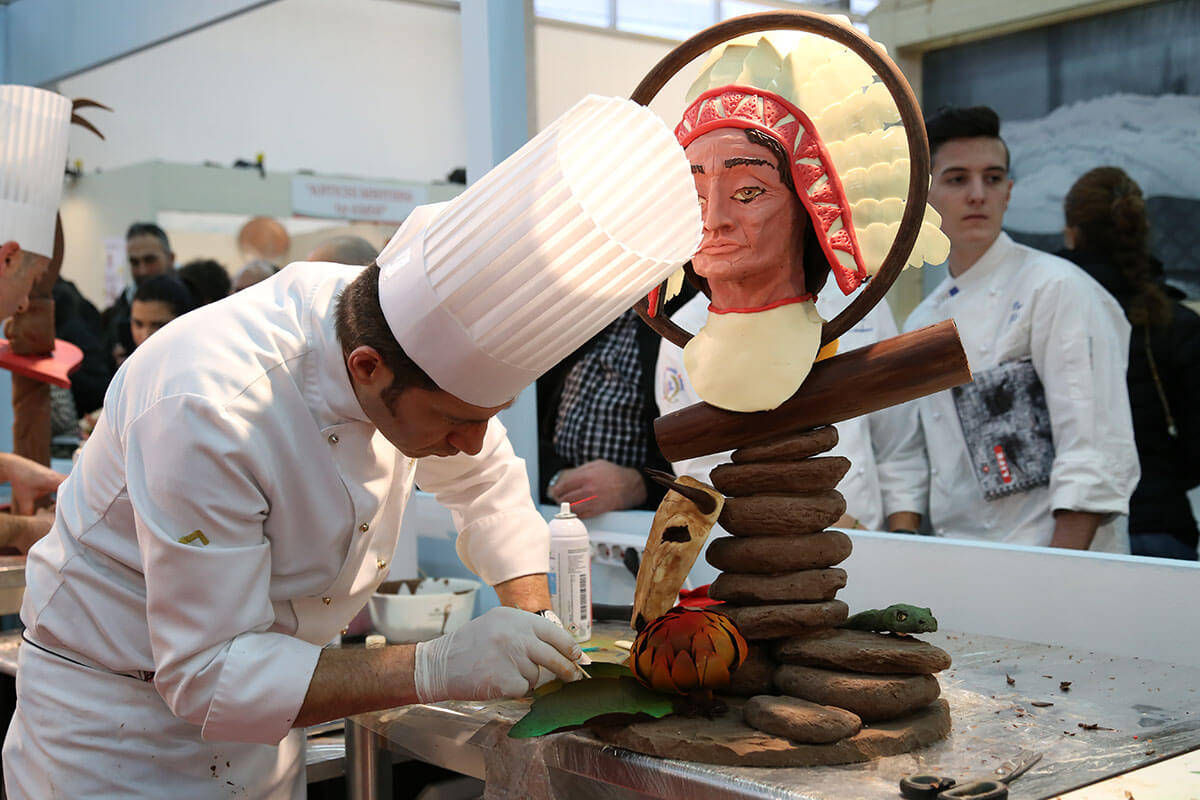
point(571, 573)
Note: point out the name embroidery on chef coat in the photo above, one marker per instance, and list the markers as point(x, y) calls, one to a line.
point(195, 536)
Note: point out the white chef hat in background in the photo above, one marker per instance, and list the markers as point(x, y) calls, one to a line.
point(34, 127)
point(488, 291)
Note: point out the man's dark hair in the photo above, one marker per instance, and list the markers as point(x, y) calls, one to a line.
point(148, 229)
point(206, 279)
point(816, 263)
point(359, 321)
point(166, 289)
point(969, 122)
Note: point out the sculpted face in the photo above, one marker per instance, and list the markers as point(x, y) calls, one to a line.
point(751, 253)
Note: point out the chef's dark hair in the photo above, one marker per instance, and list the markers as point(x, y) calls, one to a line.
point(970, 122)
point(359, 321)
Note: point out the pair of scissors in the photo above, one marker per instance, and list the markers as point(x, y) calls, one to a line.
point(937, 787)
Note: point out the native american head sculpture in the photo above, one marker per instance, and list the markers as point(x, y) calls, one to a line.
point(809, 109)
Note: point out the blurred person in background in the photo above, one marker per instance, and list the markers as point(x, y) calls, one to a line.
point(149, 254)
point(158, 301)
point(353, 250)
point(255, 271)
point(1106, 234)
point(206, 279)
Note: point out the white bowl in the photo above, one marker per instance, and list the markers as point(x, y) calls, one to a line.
point(438, 606)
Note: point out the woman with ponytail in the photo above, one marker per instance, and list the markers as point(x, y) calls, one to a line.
point(1106, 234)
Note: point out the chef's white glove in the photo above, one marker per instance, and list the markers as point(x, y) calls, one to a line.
point(494, 655)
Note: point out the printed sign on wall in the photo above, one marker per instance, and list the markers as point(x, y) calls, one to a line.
point(354, 200)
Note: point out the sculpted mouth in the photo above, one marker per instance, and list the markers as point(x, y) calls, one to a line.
point(719, 248)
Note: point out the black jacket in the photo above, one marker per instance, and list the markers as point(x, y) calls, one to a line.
point(1170, 464)
point(77, 321)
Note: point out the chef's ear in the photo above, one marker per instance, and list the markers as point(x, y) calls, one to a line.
point(366, 366)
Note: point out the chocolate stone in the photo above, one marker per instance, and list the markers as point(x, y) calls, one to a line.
point(755, 674)
point(863, 651)
point(793, 448)
point(785, 477)
point(784, 553)
point(778, 621)
point(800, 720)
point(774, 514)
point(786, 587)
point(872, 697)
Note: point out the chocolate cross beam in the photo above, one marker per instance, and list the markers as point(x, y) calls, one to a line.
point(880, 375)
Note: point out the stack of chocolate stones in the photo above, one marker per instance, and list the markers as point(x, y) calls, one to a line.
point(808, 680)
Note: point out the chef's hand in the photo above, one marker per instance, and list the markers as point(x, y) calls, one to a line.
point(29, 479)
point(609, 487)
point(494, 655)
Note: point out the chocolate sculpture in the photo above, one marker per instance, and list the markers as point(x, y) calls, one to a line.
point(803, 127)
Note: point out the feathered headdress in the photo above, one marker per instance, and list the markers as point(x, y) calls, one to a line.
point(841, 129)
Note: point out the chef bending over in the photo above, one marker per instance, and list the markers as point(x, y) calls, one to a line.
point(239, 500)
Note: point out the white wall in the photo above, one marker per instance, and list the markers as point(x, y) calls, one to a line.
point(368, 88)
point(365, 88)
point(573, 61)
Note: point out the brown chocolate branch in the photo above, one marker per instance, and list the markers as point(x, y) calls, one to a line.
point(880, 375)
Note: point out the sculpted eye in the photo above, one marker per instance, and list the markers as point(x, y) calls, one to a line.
point(902, 615)
point(748, 193)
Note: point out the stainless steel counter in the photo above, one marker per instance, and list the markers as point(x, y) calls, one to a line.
point(1117, 714)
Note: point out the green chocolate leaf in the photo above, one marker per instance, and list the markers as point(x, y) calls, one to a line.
point(577, 702)
point(597, 669)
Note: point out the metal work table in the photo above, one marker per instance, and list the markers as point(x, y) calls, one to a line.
point(1117, 714)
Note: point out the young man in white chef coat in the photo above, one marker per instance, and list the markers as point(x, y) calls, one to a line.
point(1057, 469)
point(240, 498)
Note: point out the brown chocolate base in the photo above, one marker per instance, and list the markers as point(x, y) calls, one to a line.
point(727, 740)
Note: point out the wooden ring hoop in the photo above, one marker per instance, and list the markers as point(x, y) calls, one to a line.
point(910, 117)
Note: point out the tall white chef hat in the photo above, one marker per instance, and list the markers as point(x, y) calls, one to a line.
point(488, 291)
point(33, 151)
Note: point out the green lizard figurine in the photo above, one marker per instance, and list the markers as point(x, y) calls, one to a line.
point(897, 618)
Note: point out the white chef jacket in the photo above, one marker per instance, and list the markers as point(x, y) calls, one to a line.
point(234, 509)
point(1018, 303)
point(881, 446)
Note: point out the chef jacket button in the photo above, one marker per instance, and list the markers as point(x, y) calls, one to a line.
point(333, 438)
point(326, 600)
point(933, 471)
point(382, 564)
point(937, 415)
point(364, 527)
